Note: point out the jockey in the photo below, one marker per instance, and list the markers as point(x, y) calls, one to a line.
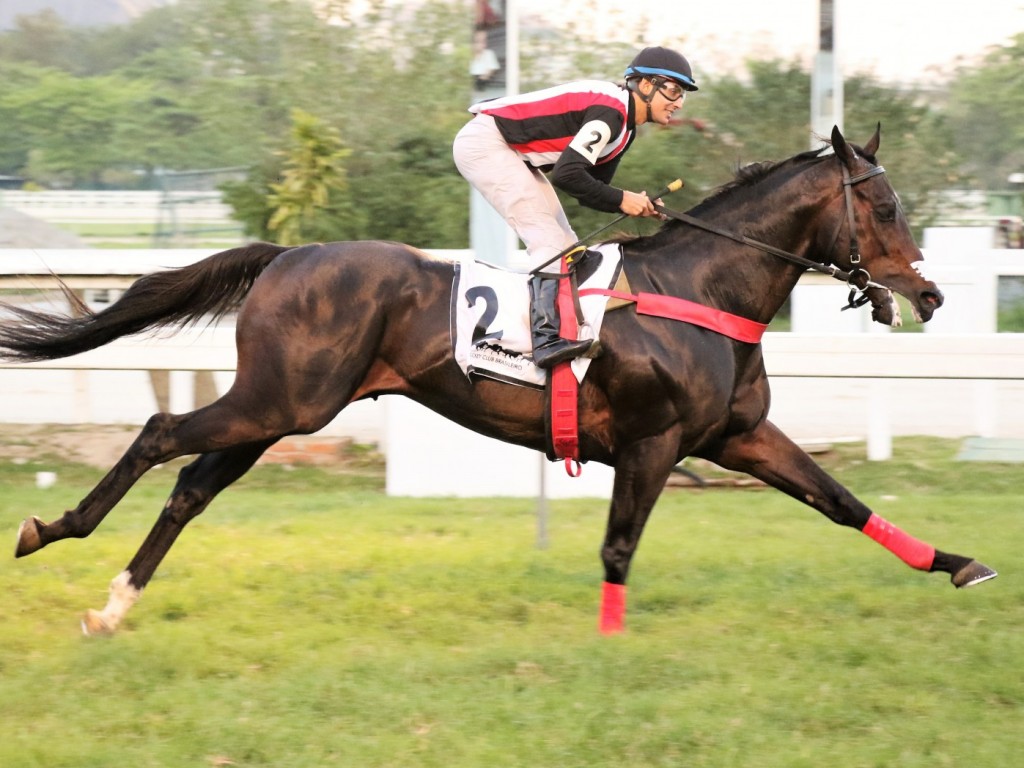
point(577, 133)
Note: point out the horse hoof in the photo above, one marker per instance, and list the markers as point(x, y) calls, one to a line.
point(29, 540)
point(971, 574)
point(94, 624)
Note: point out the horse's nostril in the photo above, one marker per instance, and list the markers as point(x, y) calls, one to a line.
point(931, 299)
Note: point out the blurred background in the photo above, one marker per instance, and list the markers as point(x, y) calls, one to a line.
point(145, 134)
point(220, 105)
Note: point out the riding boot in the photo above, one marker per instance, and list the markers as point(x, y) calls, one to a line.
point(549, 348)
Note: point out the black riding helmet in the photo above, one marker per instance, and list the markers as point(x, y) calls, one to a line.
point(662, 62)
point(658, 63)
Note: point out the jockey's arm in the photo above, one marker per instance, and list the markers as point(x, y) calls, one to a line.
point(578, 172)
point(577, 176)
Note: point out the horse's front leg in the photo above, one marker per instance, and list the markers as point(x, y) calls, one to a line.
point(767, 454)
point(640, 475)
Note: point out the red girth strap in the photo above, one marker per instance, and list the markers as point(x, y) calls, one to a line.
point(564, 387)
point(656, 305)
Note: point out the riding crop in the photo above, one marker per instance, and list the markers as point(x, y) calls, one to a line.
point(672, 187)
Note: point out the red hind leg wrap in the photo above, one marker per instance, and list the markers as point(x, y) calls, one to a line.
point(913, 552)
point(613, 608)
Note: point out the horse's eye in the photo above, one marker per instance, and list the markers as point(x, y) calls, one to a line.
point(886, 212)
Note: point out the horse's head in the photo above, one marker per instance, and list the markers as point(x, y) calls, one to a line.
point(879, 249)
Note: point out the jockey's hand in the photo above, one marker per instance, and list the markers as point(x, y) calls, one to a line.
point(660, 216)
point(637, 204)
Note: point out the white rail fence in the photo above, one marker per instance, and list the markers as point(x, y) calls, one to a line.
point(826, 385)
point(118, 206)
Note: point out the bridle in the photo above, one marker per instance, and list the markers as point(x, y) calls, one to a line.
point(858, 278)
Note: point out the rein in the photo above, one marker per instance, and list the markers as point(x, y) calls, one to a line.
point(857, 278)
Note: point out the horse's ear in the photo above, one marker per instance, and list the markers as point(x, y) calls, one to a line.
point(871, 148)
point(841, 148)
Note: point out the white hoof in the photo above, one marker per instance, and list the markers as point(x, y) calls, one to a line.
point(94, 624)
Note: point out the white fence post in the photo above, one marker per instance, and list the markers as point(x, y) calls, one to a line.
point(879, 442)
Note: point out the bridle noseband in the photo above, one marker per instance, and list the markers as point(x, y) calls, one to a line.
point(858, 278)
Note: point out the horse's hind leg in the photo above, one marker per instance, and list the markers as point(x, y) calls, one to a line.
point(767, 454)
point(198, 483)
point(217, 426)
point(34, 534)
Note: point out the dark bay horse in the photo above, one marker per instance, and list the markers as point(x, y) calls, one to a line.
point(323, 325)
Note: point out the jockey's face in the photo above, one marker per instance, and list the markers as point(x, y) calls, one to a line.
point(666, 96)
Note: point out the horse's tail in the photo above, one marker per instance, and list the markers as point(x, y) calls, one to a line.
point(175, 297)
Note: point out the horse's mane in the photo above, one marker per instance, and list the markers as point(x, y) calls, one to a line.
point(752, 173)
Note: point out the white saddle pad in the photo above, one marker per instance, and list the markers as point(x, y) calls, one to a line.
point(491, 319)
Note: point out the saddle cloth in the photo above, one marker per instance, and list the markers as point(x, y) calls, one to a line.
point(490, 323)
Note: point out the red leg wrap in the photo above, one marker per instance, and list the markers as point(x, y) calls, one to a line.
point(913, 552)
point(613, 608)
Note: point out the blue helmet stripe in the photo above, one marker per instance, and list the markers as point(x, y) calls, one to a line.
point(664, 72)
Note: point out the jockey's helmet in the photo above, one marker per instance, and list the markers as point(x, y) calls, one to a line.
point(662, 63)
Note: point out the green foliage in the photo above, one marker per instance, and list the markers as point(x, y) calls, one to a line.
point(311, 202)
point(986, 107)
point(40, 39)
point(1010, 304)
point(764, 116)
point(1011, 320)
point(250, 199)
point(68, 125)
point(213, 83)
point(917, 150)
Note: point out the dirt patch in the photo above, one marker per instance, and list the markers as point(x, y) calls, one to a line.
point(19, 230)
point(95, 445)
point(101, 445)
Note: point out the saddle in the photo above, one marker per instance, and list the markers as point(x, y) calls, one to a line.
point(491, 317)
point(491, 334)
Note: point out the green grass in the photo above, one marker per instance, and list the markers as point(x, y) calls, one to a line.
point(141, 234)
point(308, 620)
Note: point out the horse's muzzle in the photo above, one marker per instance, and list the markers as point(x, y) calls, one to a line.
point(927, 302)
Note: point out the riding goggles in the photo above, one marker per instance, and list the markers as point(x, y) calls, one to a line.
point(670, 89)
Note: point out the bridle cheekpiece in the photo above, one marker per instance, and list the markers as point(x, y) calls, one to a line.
point(856, 277)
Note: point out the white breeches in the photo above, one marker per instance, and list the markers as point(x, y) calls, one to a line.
point(520, 194)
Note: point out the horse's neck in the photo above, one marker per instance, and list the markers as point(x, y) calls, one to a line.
point(741, 279)
point(755, 286)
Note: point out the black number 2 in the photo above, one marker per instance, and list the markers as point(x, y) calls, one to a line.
point(490, 299)
point(589, 146)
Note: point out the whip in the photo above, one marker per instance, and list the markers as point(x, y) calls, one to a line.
point(672, 187)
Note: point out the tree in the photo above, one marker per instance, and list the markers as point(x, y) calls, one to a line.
point(70, 124)
point(42, 39)
point(211, 83)
point(986, 112)
point(19, 133)
point(764, 115)
point(919, 155)
point(311, 201)
point(250, 199)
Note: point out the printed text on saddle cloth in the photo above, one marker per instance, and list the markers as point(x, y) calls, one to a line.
point(491, 313)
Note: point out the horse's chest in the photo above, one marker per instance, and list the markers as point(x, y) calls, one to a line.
point(658, 394)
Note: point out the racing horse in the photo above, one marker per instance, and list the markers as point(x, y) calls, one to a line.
point(322, 325)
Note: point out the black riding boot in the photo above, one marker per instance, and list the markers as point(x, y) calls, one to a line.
point(549, 348)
